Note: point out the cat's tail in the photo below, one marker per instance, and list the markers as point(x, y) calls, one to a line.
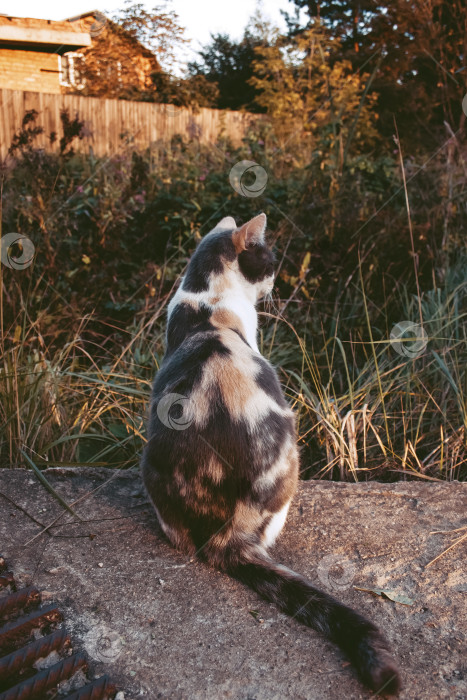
point(361, 641)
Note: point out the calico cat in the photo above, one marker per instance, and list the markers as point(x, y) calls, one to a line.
point(221, 462)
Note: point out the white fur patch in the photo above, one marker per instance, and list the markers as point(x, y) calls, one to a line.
point(239, 297)
point(264, 287)
point(260, 406)
point(275, 526)
point(169, 532)
point(225, 224)
point(246, 312)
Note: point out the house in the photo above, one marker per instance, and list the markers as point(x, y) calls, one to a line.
point(88, 54)
point(116, 64)
point(32, 52)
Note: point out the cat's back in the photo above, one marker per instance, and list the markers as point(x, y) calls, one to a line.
point(221, 435)
point(211, 365)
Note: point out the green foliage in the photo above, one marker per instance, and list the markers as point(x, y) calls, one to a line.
point(228, 65)
point(158, 29)
point(314, 99)
point(422, 79)
point(23, 140)
point(196, 91)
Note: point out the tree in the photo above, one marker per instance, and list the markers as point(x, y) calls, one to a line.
point(159, 29)
point(348, 20)
point(321, 113)
point(127, 52)
point(313, 96)
point(423, 45)
point(117, 66)
point(229, 65)
point(195, 91)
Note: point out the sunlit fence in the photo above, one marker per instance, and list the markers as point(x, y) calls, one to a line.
point(108, 123)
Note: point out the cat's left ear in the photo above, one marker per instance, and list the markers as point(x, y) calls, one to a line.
point(225, 224)
point(250, 233)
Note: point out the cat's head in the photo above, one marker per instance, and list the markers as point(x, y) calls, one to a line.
point(230, 250)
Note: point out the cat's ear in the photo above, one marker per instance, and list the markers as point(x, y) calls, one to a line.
point(225, 224)
point(250, 233)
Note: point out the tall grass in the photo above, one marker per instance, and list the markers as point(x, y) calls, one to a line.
point(363, 411)
point(367, 412)
point(64, 409)
point(82, 331)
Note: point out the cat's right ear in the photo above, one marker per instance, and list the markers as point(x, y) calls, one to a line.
point(251, 233)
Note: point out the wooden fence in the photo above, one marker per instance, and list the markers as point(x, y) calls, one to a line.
point(110, 124)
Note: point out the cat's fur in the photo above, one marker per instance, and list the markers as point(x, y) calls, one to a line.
point(222, 485)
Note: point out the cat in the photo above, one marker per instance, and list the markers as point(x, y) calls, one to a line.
point(221, 463)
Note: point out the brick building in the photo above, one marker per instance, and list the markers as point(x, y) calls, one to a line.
point(116, 64)
point(32, 52)
point(88, 54)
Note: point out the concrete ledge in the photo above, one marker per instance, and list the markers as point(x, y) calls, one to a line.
point(166, 627)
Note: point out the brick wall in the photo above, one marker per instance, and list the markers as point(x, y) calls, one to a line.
point(36, 71)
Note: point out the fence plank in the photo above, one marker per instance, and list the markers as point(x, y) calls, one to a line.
point(106, 121)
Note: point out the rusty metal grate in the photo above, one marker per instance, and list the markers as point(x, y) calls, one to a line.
point(31, 643)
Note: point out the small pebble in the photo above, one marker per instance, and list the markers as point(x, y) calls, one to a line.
point(100, 565)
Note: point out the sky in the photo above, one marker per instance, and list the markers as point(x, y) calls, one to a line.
point(199, 17)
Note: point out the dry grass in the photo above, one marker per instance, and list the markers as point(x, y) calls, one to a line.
point(364, 411)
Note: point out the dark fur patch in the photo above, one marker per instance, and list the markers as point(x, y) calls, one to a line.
point(199, 507)
point(272, 431)
point(181, 371)
point(266, 378)
point(185, 320)
point(256, 263)
point(208, 258)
